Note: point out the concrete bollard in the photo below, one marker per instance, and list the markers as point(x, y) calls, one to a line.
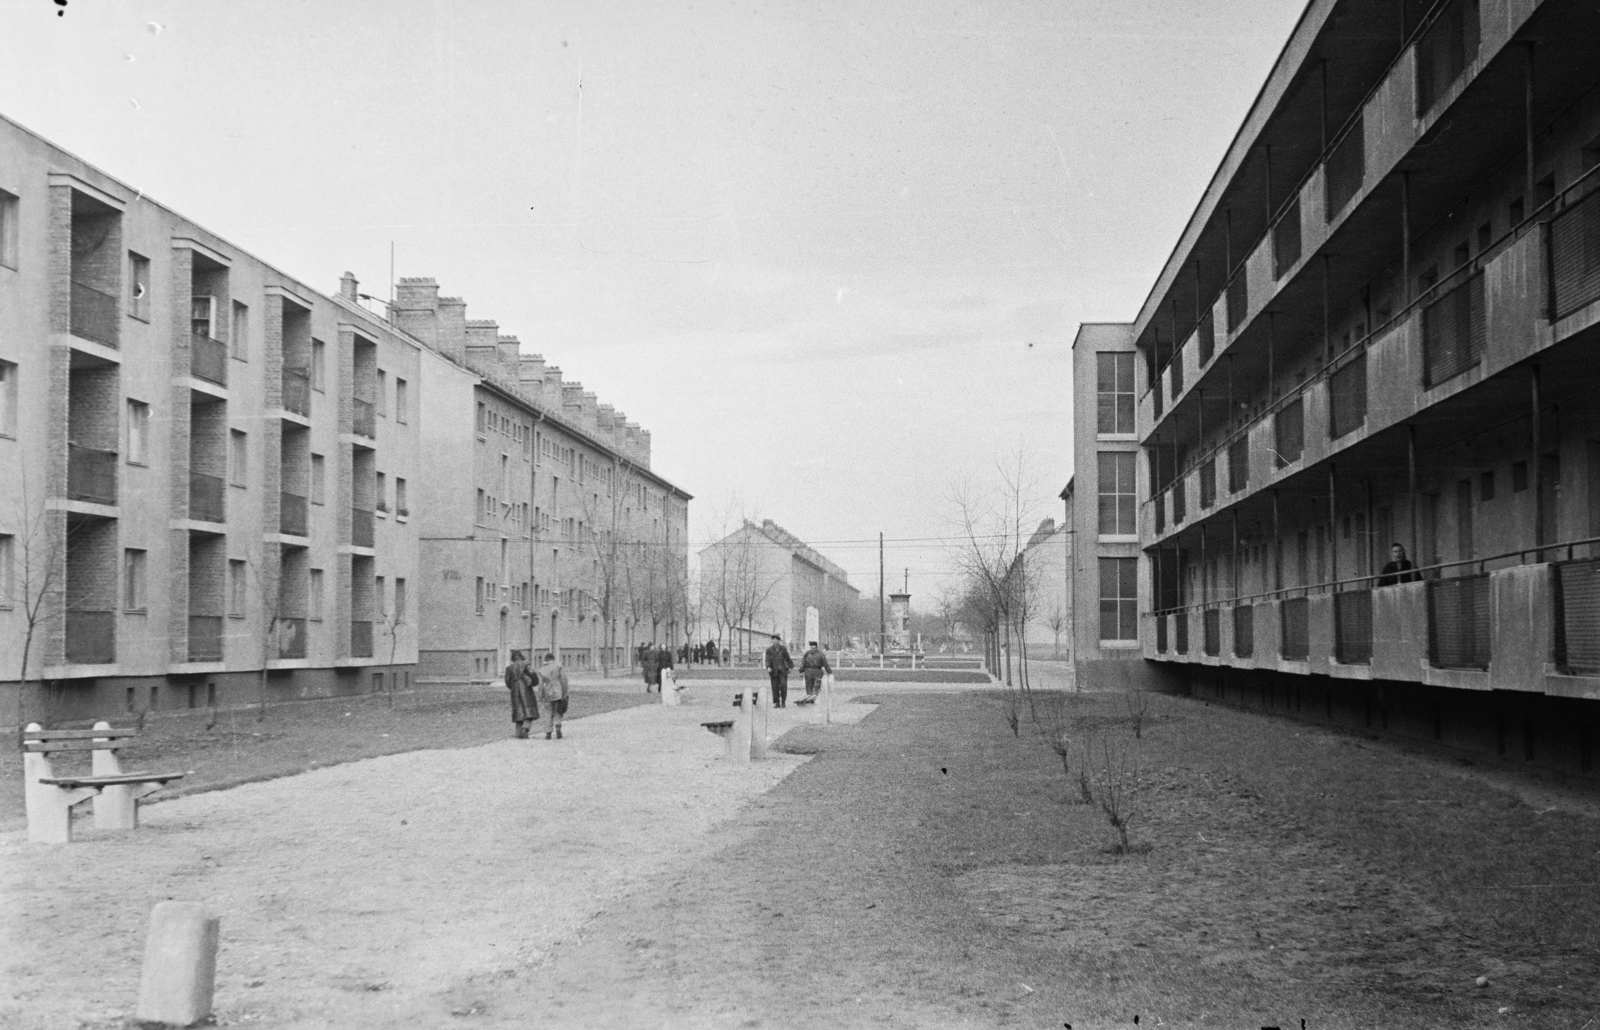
point(827, 697)
point(739, 739)
point(180, 964)
point(758, 731)
point(669, 687)
point(115, 808)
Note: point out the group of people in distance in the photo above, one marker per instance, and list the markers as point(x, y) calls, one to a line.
point(813, 665)
point(530, 687)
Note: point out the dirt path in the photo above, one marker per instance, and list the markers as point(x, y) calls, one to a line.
point(365, 894)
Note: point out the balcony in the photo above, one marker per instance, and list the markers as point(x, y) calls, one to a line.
point(91, 637)
point(1238, 299)
point(205, 638)
point(362, 419)
point(292, 515)
point(206, 498)
point(360, 638)
point(1352, 627)
point(291, 637)
point(1239, 464)
point(1444, 51)
point(1454, 332)
point(1458, 622)
point(1244, 626)
point(1295, 616)
point(1161, 634)
point(208, 359)
point(361, 527)
point(1577, 616)
point(1347, 397)
point(1346, 167)
point(1180, 631)
point(1575, 256)
point(94, 315)
point(297, 390)
point(1211, 625)
point(91, 474)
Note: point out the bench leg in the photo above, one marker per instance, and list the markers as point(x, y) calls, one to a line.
point(739, 737)
point(49, 807)
point(114, 807)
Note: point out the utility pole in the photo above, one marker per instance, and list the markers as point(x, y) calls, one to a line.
point(883, 624)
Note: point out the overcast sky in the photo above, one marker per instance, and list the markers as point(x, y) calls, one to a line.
point(832, 255)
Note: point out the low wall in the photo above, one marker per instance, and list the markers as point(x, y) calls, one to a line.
point(700, 673)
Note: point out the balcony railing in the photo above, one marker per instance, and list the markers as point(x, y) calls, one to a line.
point(91, 474)
point(360, 638)
point(292, 519)
point(362, 420)
point(297, 390)
point(1289, 429)
point(1180, 501)
point(1575, 256)
point(291, 634)
point(1211, 624)
point(207, 498)
point(91, 637)
point(1577, 602)
point(1238, 299)
point(361, 523)
point(94, 314)
point(1244, 630)
point(1295, 613)
point(208, 359)
point(1180, 632)
point(1346, 167)
point(1161, 634)
point(1160, 501)
point(1454, 332)
point(1347, 397)
point(1208, 484)
point(1458, 622)
point(1176, 367)
point(1239, 465)
point(205, 638)
point(1286, 239)
point(1206, 338)
point(1352, 627)
point(1444, 51)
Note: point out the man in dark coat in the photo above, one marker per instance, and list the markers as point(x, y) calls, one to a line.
point(778, 665)
point(812, 665)
point(1399, 569)
point(520, 680)
point(663, 661)
point(712, 652)
point(650, 660)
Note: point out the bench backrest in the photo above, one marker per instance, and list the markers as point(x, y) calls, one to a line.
point(76, 740)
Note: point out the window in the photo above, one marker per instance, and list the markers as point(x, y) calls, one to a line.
point(139, 286)
point(319, 365)
point(8, 398)
point(138, 433)
point(133, 580)
point(383, 493)
point(236, 587)
point(1119, 598)
point(483, 419)
point(377, 586)
point(399, 399)
point(399, 598)
point(238, 457)
point(8, 557)
point(383, 393)
point(400, 506)
point(1116, 493)
point(319, 480)
point(1115, 374)
point(477, 596)
point(8, 229)
point(241, 331)
point(314, 595)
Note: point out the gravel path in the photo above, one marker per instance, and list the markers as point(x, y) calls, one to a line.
point(359, 895)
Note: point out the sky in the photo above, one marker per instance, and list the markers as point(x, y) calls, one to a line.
point(831, 254)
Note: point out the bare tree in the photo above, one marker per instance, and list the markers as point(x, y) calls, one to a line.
point(1119, 781)
point(608, 544)
point(1056, 619)
point(733, 577)
point(36, 583)
point(265, 573)
point(392, 621)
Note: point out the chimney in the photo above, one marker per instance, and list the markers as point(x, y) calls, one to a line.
point(480, 335)
point(349, 289)
point(453, 327)
point(644, 447)
point(416, 309)
point(572, 403)
point(509, 350)
point(552, 384)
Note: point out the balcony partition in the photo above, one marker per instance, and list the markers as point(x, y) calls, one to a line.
point(297, 390)
point(1346, 167)
point(1295, 618)
point(1347, 397)
point(91, 637)
point(91, 474)
point(94, 314)
point(362, 421)
point(1458, 622)
point(205, 638)
point(1180, 631)
point(1208, 484)
point(1206, 338)
point(207, 498)
point(1286, 239)
point(1176, 368)
point(1159, 502)
point(1577, 616)
point(208, 359)
point(1239, 464)
point(1352, 627)
point(1444, 51)
point(1454, 332)
point(292, 517)
point(1179, 501)
point(1238, 299)
point(1289, 430)
point(1575, 256)
point(1211, 626)
point(361, 523)
point(1244, 625)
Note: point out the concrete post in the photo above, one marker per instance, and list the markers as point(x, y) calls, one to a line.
point(739, 739)
point(827, 697)
point(669, 687)
point(115, 808)
point(180, 964)
point(758, 730)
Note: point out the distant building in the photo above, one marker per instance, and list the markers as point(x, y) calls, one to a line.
point(1047, 557)
point(760, 579)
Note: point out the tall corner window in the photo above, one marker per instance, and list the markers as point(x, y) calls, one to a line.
point(1116, 492)
point(400, 398)
point(237, 579)
point(383, 394)
point(8, 229)
point(314, 595)
point(1119, 598)
point(319, 479)
point(399, 597)
point(319, 365)
point(8, 570)
point(400, 505)
point(8, 398)
point(238, 457)
point(139, 286)
point(1114, 386)
point(133, 579)
point(239, 331)
point(138, 432)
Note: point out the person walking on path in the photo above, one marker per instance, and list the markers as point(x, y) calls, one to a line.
point(520, 680)
point(812, 665)
point(1399, 569)
point(778, 665)
point(663, 661)
point(553, 692)
point(650, 662)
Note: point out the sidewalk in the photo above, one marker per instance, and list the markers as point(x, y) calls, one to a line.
point(353, 896)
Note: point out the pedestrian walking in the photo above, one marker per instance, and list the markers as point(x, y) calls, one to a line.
point(553, 692)
point(663, 661)
point(778, 664)
point(521, 680)
point(712, 652)
point(650, 662)
point(812, 666)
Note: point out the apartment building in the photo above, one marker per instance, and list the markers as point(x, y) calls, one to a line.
point(541, 524)
point(1379, 328)
point(1048, 558)
point(193, 447)
point(760, 579)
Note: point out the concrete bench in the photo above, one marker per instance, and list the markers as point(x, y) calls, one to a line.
point(50, 798)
